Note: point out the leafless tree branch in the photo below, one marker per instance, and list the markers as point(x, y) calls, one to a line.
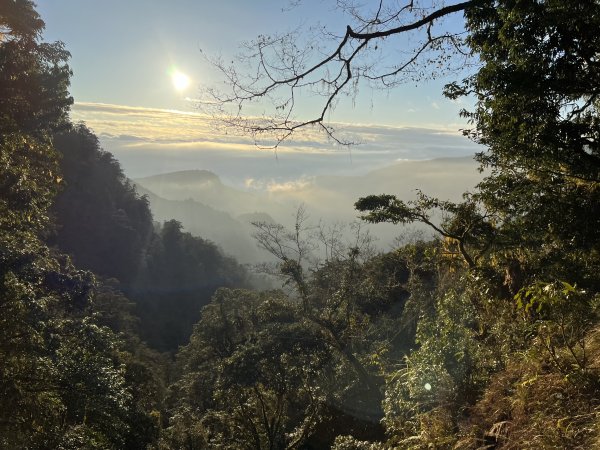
point(280, 70)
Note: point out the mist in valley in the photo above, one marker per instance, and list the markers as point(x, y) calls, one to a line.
point(208, 207)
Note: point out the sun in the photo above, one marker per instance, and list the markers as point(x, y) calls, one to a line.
point(180, 80)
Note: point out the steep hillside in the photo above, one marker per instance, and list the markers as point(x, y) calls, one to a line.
point(233, 236)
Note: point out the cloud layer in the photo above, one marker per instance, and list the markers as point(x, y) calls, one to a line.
point(148, 141)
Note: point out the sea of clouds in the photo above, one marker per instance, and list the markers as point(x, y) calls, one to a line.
point(148, 141)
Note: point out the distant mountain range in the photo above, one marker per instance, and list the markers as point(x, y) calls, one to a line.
point(208, 208)
point(205, 187)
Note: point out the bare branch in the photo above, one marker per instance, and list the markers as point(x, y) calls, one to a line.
point(281, 70)
point(418, 24)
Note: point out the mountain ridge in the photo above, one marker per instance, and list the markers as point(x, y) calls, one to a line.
point(223, 213)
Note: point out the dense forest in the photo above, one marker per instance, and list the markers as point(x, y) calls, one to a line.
point(120, 333)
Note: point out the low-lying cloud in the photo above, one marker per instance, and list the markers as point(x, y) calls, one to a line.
point(148, 141)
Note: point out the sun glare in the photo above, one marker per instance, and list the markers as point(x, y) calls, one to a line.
point(180, 80)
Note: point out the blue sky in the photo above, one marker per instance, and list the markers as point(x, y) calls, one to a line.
point(122, 51)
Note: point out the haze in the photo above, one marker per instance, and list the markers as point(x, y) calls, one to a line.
point(148, 119)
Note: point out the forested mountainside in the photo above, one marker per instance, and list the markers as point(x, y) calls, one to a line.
point(66, 379)
point(485, 337)
point(232, 234)
point(107, 228)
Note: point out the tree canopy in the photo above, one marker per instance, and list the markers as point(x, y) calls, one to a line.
point(485, 336)
point(516, 250)
point(62, 383)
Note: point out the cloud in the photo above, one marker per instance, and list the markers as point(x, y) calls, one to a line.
point(148, 124)
point(279, 187)
point(150, 140)
point(191, 145)
point(290, 186)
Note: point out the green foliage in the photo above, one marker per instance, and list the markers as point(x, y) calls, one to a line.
point(180, 274)
point(563, 316)
point(349, 443)
point(467, 227)
point(59, 368)
point(145, 371)
point(82, 437)
point(453, 343)
point(537, 114)
point(101, 220)
point(28, 181)
point(63, 383)
point(248, 375)
point(19, 19)
point(34, 75)
point(424, 398)
point(535, 217)
point(536, 88)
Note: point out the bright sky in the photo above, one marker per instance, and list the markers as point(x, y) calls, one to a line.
point(122, 51)
point(146, 54)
